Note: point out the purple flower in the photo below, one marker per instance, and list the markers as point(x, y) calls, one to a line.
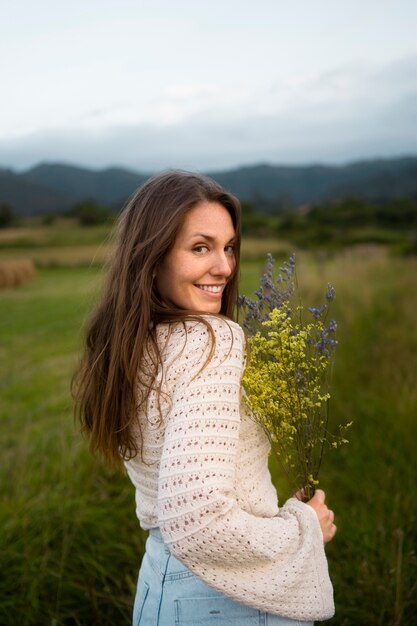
point(330, 293)
point(327, 344)
point(332, 326)
point(272, 293)
point(317, 313)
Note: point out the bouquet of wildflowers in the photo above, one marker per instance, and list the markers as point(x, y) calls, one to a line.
point(287, 379)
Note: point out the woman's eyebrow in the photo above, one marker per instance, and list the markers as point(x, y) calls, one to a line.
point(209, 237)
point(203, 236)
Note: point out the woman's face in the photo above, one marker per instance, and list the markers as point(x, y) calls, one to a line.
point(195, 271)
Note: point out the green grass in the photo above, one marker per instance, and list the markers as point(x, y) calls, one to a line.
point(63, 545)
point(70, 544)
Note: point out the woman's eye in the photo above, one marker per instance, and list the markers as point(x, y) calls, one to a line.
point(230, 249)
point(200, 249)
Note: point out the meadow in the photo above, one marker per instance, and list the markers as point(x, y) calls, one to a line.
point(70, 544)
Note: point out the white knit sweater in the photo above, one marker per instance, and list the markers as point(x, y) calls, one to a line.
point(204, 481)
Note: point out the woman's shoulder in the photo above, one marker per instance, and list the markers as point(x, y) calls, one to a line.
point(201, 335)
point(200, 327)
point(221, 326)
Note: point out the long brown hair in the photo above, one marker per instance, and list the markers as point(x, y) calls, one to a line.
point(121, 332)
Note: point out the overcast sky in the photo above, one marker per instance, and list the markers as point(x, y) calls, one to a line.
point(151, 84)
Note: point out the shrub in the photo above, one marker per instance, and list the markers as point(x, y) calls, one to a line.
point(7, 216)
point(89, 213)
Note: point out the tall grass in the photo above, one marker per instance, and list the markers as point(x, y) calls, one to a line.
point(63, 244)
point(70, 545)
point(371, 481)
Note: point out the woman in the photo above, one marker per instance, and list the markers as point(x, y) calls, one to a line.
point(159, 388)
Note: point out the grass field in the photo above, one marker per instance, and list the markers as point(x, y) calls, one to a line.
point(70, 545)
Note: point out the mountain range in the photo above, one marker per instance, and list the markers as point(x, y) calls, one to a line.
point(55, 187)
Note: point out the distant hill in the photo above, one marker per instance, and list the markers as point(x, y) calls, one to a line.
point(30, 198)
point(109, 186)
point(280, 186)
point(53, 188)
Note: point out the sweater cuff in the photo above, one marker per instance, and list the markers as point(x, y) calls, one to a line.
point(294, 503)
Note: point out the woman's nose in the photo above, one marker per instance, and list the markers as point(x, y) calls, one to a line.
point(223, 265)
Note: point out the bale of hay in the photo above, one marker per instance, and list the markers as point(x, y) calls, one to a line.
point(14, 273)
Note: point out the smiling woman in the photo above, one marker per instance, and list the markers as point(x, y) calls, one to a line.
point(159, 389)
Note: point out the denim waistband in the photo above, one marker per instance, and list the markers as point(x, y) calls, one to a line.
point(155, 533)
point(163, 562)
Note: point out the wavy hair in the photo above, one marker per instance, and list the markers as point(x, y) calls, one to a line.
point(121, 334)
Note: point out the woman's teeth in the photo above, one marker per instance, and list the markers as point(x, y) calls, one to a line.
point(211, 288)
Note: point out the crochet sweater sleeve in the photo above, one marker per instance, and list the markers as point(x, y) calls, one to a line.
point(276, 563)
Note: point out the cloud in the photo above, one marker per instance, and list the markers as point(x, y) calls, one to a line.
point(351, 112)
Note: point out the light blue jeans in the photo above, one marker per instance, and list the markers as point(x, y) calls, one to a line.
point(168, 594)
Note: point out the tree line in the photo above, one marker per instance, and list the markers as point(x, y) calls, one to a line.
point(333, 224)
point(336, 223)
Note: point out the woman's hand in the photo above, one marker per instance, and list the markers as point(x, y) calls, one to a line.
point(324, 514)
